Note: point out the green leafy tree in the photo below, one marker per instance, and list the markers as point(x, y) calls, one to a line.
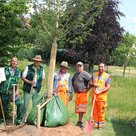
point(125, 54)
point(101, 35)
point(55, 22)
point(11, 28)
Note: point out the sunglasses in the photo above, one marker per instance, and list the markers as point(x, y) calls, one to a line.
point(101, 66)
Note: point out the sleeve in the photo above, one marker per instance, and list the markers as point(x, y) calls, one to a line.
point(25, 72)
point(43, 74)
point(87, 76)
point(70, 84)
point(108, 81)
point(55, 82)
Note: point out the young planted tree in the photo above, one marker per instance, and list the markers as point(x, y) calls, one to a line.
point(63, 12)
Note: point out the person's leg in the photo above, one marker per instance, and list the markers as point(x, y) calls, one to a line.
point(80, 117)
point(81, 106)
point(25, 106)
point(102, 110)
point(35, 96)
point(95, 115)
point(5, 102)
point(19, 105)
point(63, 97)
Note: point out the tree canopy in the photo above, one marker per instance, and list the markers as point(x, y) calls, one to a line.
point(11, 28)
point(102, 36)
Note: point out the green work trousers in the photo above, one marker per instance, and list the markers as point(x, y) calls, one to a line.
point(5, 101)
point(27, 99)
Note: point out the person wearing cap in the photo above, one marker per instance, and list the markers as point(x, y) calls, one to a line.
point(33, 77)
point(80, 83)
point(12, 74)
point(101, 84)
point(63, 83)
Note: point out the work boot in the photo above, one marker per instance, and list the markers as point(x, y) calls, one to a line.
point(95, 125)
point(101, 125)
point(18, 121)
point(80, 124)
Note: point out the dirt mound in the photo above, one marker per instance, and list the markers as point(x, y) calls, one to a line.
point(29, 130)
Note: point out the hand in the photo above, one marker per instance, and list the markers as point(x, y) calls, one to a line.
point(97, 91)
point(31, 82)
point(70, 97)
point(55, 94)
point(95, 85)
point(17, 92)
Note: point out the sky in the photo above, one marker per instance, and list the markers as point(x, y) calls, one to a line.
point(128, 7)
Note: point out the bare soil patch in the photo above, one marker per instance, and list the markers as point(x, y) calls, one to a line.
point(30, 130)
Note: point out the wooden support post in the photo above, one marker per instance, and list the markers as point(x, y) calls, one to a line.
point(1, 105)
point(14, 90)
point(39, 112)
point(38, 116)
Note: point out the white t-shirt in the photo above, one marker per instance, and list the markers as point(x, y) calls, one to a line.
point(35, 80)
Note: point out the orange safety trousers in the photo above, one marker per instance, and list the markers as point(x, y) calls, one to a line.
point(62, 91)
point(81, 102)
point(99, 111)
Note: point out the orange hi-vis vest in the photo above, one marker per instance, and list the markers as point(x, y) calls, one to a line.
point(101, 81)
point(62, 87)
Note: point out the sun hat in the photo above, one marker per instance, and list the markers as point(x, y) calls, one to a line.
point(64, 64)
point(37, 58)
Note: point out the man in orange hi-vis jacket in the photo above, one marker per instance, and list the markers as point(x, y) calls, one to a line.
point(80, 82)
point(101, 84)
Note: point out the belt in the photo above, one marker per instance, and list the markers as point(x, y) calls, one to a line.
point(34, 87)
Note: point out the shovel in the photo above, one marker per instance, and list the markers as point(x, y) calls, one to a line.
point(89, 124)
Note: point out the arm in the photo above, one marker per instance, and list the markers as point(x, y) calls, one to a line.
point(70, 88)
point(55, 82)
point(24, 77)
point(107, 87)
point(43, 77)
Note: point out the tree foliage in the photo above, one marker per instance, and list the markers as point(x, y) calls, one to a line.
point(125, 54)
point(11, 28)
point(103, 34)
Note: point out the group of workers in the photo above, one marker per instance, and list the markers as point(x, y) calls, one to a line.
point(33, 77)
point(81, 82)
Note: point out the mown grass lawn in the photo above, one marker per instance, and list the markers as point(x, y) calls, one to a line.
point(121, 103)
point(121, 109)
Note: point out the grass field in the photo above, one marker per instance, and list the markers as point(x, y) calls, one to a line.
point(121, 103)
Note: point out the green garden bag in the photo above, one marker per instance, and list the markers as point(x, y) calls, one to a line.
point(56, 113)
point(32, 117)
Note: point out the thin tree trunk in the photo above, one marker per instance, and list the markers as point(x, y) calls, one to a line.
point(124, 70)
point(53, 55)
point(91, 67)
point(129, 71)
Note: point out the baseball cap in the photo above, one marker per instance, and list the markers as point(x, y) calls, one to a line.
point(80, 63)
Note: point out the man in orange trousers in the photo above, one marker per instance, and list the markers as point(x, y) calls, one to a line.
point(101, 84)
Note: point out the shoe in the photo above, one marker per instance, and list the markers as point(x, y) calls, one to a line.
point(18, 122)
point(96, 125)
point(133, 123)
point(80, 124)
point(101, 125)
